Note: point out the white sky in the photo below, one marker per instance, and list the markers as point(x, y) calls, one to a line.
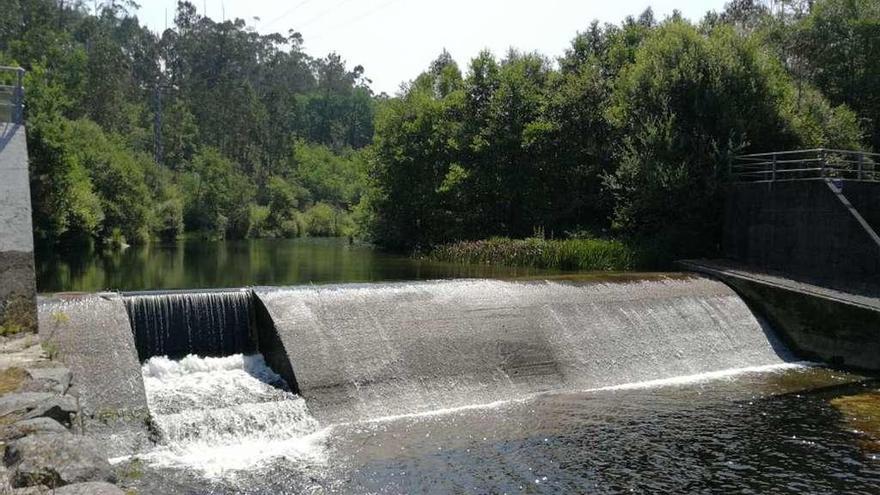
point(395, 40)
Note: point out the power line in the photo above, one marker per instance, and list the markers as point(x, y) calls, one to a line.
point(355, 19)
point(322, 14)
point(286, 13)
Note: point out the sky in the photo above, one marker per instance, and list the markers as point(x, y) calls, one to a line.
point(395, 40)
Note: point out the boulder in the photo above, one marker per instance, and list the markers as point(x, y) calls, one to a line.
point(60, 408)
point(55, 380)
point(31, 426)
point(29, 405)
point(54, 460)
point(91, 488)
point(32, 490)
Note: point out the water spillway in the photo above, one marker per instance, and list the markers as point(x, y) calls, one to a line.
point(377, 350)
point(177, 324)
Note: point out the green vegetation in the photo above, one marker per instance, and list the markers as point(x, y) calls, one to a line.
point(214, 129)
point(208, 128)
point(569, 254)
point(18, 315)
point(630, 134)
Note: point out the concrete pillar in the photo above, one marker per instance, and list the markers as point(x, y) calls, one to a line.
point(17, 277)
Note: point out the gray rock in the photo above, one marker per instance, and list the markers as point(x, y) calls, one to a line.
point(23, 402)
point(55, 379)
point(91, 488)
point(31, 426)
point(54, 460)
point(60, 408)
point(32, 490)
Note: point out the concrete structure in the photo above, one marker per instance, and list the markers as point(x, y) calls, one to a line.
point(817, 323)
point(17, 279)
point(91, 334)
point(815, 230)
point(371, 350)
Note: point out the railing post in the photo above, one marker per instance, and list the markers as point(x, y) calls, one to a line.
point(773, 174)
point(20, 96)
point(860, 162)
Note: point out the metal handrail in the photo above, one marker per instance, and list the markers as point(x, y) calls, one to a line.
point(812, 164)
point(14, 96)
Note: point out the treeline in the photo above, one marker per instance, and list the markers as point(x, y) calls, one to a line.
point(208, 127)
point(629, 134)
point(215, 129)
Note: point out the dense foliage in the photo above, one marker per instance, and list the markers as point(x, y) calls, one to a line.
point(629, 134)
point(208, 127)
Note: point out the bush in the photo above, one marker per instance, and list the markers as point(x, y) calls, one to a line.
point(570, 254)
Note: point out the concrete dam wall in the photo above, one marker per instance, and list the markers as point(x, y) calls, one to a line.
point(373, 350)
point(17, 282)
point(807, 230)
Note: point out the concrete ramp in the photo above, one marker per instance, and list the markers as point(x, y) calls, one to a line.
point(91, 334)
point(361, 351)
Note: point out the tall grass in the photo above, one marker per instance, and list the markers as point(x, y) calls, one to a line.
point(569, 254)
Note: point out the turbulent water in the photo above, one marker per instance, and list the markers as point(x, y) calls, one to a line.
point(220, 415)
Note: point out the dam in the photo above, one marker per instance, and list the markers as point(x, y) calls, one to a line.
point(373, 387)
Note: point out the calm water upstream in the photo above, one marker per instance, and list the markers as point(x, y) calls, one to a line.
point(195, 264)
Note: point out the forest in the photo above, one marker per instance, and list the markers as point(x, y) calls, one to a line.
point(212, 129)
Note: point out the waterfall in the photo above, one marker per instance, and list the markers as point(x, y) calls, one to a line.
point(368, 350)
point(226, 414)
point(177, 324)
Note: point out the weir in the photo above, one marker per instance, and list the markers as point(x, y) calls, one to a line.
point(365, 351)
point(368, 351)
point(205, 323)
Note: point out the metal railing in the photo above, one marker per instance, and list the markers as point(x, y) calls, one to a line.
point(814, 164)
point(12, 95)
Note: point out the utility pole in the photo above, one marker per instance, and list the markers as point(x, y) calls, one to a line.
point(157, 124)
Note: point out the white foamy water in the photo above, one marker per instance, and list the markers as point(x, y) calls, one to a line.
point(221, 415)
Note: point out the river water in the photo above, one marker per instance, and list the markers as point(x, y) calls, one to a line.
point(196, 264)
point(231, 427)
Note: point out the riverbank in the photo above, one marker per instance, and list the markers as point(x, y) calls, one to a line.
point(41, 434)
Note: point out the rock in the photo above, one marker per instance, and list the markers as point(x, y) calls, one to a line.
point(55, 459)
point(31, 426)
point(23, 402)
point(32, 490)
point(92, 488)
point(50, 379)
point(60, 408)
point(14, 380)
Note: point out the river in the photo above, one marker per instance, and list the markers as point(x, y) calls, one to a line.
point(196, 264)
point(622, 413)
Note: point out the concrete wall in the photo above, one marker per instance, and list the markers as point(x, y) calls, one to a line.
point(805, 230)
point(816, 328)
point(371, 350)
point(17, 280)
point(91, 334)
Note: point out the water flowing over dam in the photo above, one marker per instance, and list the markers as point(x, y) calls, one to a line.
point(176, 324)
point(466, 385)
point(366, 351)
